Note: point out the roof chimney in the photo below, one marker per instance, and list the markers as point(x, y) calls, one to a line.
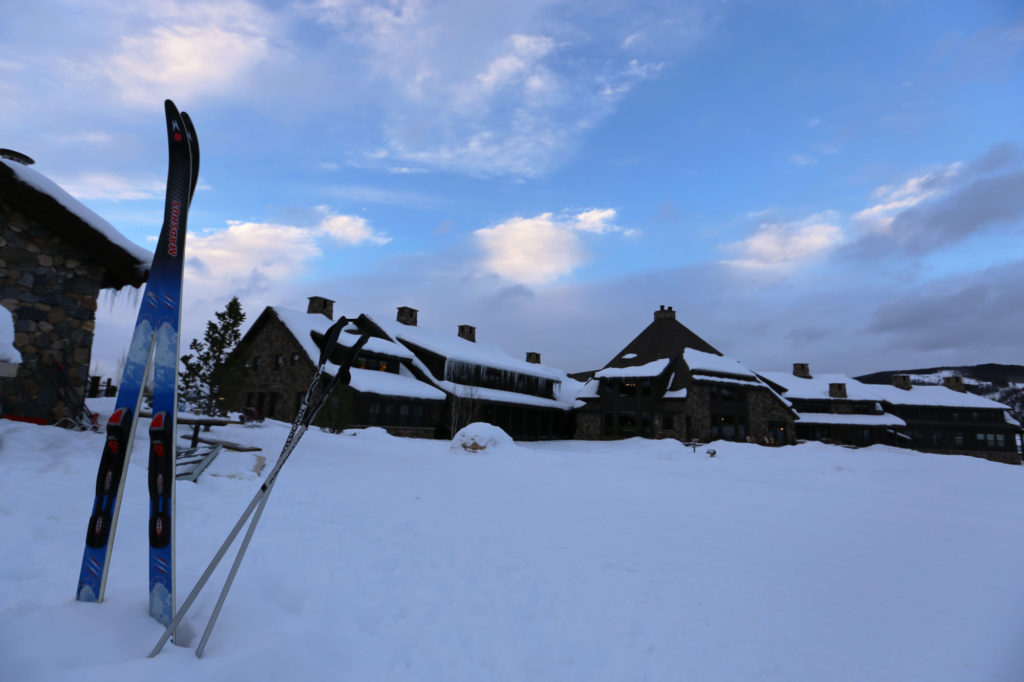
point(837, 390)
point(468, 332)
point(407, 315)
point(901, 381)
point(954, 382)
point(664, 312)
point(533, 358)
point(802, 370)
point(321, 305)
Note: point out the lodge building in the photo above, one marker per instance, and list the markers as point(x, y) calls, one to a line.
point(670, 383)
point(667, 382)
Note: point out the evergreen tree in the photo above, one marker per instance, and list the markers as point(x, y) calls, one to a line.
point(202, 377)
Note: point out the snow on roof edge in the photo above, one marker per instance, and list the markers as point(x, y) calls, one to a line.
point(45, 185)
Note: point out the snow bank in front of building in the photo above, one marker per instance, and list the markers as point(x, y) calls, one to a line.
point(386, 558)
point(481, 437)
point(8, 353)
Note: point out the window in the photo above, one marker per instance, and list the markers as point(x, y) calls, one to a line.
point(278, 361)
point(958, 439)
point(373, 413)
point(256, 361)
point(668, 421)
point(295, 359)
point(627, 388)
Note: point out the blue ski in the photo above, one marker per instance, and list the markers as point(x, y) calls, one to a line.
point(164, 283)
point(163, 429)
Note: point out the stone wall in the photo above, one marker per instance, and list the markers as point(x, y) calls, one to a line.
point(243, 382)
point(51, 291)
point(765, 408)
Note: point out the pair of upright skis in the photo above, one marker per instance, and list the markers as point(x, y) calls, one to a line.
point(154, 344)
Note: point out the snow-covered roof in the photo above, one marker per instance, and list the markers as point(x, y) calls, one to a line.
point(884, 419)
point(302, 325)
point(386, 383)
point(934, 396)
point(456, 348)
point(678, 393)
point(700, 362)
point(651, 369)
point(589, 390)
point(817, 387)
point(45, 185)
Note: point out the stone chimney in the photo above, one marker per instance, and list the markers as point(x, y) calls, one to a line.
point(802, 370)
point(533, 358)
point(954, 382)
point(837, 390)
point(901, 381)
point(407, 315)
point(468, 332)
point(665, 312)
point(322, 306)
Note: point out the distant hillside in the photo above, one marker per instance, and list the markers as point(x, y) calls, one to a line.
point(1002, 383)
point(994, 374)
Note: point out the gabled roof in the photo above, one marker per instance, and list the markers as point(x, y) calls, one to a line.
point(665, 337)
point(452, 347)
point(456, 348)
point(123, 261)
point(308, 330)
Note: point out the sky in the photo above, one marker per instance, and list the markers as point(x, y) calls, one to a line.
point(834, 183)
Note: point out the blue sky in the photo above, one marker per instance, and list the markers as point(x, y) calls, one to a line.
point(833, 183)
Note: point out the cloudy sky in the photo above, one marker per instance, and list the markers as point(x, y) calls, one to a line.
point(833, 183)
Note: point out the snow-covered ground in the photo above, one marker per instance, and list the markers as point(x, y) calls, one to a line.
point(381, 558)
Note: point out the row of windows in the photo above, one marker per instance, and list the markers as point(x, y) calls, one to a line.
point(726, 394)
point(277, 362)
point(940, 439)
point(363, 362)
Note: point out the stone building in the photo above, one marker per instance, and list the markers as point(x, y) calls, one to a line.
point(670, 383)
point(408, 380)
point(835, 408)
point(274, 362)
point(55, 257)
point(948, 419)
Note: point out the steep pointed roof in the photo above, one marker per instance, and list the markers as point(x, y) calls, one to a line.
point(665, 337)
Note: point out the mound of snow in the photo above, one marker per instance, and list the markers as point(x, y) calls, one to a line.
point(368, 432)
point(479, 437)
point(8, 353)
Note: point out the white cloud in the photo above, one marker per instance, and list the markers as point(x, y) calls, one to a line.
point(531, 250)
point(597, 220)
point(782, 246)
point(350, 230)
point(249, 254)
point(802, 160)
point(541, 249)
point(205, 50)
point(518, 64)
point(477, 89)
point(108, 186)
point(254, 256)
point(891, 200)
